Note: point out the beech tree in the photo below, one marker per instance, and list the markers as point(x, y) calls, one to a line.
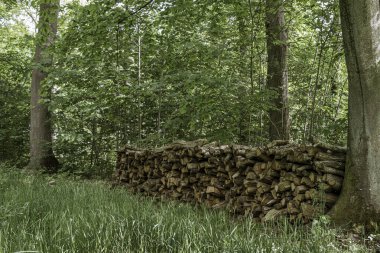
point(277, 71)
point(360, 198)
point(41, 152)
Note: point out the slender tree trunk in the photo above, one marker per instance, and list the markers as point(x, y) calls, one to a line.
point(160, 102)
point(277, 72)
point(360, 198)
point(139, 81)
point(262, 84)
point(309, 93)
point(251, 55)
point(315, 91)
point(41, 151)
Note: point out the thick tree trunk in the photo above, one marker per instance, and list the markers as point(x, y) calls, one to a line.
point(360, 198)
point(277, 72)
point(41, 152)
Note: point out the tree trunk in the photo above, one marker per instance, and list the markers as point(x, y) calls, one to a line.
point(41, 152)
point(360, 198)
point(277, 72)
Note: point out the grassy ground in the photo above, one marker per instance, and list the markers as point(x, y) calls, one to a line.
point(77, 216)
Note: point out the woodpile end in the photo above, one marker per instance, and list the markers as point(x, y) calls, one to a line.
point(280, 179)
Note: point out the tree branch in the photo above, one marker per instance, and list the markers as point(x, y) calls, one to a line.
point(132, 13)
point(141, 7)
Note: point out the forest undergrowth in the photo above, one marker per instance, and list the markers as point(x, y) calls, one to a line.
point(40, 213)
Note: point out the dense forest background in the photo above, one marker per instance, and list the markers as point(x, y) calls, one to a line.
point(147, 73)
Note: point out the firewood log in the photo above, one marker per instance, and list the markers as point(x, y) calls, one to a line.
point(281, 178)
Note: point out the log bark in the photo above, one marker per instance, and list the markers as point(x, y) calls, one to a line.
point(236, 177)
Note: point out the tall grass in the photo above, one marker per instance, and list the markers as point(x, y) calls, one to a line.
point(72, 216)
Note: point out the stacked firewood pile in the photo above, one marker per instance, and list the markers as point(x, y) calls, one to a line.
point(280, 179)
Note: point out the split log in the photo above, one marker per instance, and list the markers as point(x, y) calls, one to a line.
point(280, 179)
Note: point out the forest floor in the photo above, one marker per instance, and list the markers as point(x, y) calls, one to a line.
point(45, 214)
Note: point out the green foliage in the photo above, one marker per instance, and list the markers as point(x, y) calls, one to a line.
point(317, 73)
point(15, 72)
point(180, 70)
point(60, 215)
